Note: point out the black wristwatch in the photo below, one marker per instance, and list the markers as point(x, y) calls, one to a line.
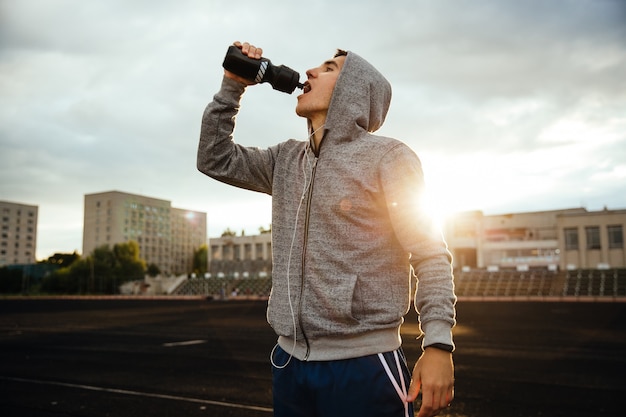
point(441, 346)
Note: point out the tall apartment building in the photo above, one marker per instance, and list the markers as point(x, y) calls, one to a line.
point(566, 239)
point(18, 238)
point(167, 236)
point(188, 233)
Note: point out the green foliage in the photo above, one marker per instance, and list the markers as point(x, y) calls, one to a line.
point(102, 272)
point(153, 270)
point(62, 259)
point(228, 233)
point(128, 266)
point(201, 260)
point(63, 281)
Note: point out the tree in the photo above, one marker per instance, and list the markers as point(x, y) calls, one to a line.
point(128, 265)
point(73, 279)
point(101, 263)
point(201, 260)
point(101, 272)
point(62, 259)
point(153, 270)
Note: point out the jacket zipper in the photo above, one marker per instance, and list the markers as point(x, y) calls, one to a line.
point(304, 247)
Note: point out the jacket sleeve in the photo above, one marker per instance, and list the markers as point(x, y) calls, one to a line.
point(418, 233)
point(220, 157)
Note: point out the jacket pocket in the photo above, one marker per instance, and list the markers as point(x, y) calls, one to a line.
point(332, 299)
point(380, 300)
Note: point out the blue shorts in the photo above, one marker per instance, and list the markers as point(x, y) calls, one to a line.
point(365, 386)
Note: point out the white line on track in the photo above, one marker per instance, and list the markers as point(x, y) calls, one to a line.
point(185, 343)
point(140, 394)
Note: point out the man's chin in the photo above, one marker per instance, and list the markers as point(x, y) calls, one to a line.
point(301, 112)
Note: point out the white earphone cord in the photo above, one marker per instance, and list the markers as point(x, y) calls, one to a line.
point(293, 239)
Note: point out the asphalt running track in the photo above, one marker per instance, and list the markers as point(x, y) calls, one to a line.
point(191, 358)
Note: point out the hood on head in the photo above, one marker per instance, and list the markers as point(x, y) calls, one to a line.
point(360, 100)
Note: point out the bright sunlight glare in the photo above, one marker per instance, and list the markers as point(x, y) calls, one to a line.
point(477, 182)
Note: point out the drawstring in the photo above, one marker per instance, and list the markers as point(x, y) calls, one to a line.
point(402, 392)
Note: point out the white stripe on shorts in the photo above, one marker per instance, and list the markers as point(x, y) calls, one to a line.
point(402, 391)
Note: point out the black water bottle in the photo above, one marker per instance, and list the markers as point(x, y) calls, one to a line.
point(262, 70)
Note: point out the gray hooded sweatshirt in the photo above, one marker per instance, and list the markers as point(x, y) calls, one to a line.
point(347, 228)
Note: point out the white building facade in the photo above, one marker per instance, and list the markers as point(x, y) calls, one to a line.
point(18, 233)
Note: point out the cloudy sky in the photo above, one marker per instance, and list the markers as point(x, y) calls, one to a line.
point(511, 105)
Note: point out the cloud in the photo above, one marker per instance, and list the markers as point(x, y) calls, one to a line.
point(104, 95)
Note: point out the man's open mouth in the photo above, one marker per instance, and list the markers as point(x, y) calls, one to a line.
point(307, 87)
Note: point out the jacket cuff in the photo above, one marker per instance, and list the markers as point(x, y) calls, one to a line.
point(437, 333)
point(232, 85)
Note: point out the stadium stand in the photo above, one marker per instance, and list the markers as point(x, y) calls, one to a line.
point(542, 283)
point(222, 288)
point(594, 282)
point(475, 283)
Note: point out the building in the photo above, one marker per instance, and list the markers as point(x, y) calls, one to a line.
point(592, 240)
point(167, 236)
point(552, 240)
point(565, 239)
point(240, 256)
point(188, 233)
point(18, 238)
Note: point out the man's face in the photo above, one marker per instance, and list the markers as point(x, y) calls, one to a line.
point(318, 90)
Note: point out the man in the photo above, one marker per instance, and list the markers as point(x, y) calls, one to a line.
point(348, 230)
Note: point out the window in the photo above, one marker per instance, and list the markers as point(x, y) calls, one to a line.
point(593, 237)
point(571, 238)
point(616, 237)
point(227, 252)
point(215, 253)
